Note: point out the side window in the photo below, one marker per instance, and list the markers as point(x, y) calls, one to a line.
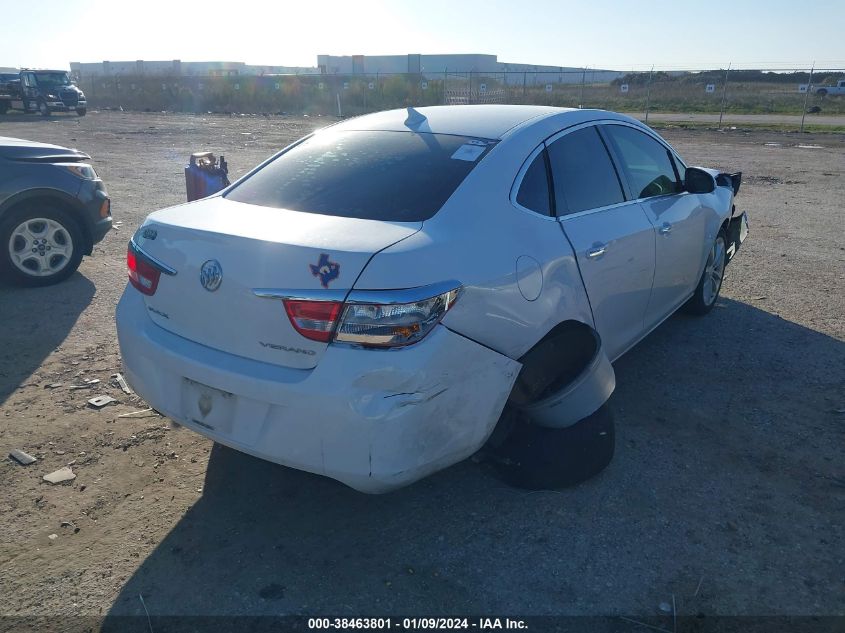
point(647, 164)
point(534, 190)
point(582, 173)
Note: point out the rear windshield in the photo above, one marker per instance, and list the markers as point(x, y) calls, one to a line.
point(392, 176)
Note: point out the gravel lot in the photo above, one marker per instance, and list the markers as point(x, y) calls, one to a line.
point(727, 492)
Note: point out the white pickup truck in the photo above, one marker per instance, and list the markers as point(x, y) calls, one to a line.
point(838, 89)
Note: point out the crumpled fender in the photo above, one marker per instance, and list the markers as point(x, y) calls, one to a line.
point(577, 400)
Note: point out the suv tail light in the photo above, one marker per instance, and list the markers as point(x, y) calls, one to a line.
point(143, 274)
point(379, 323)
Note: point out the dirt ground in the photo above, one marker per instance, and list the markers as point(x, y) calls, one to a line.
point(745, 119)
point(726, 495)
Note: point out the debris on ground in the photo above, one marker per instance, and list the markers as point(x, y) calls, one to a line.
point(53, 385)
point(131, 413)
point(87, 384)
point(53, 537)
point(100, 401)
point(24, 459)
point(60, 476)
point(665, 607)
point(121, 382)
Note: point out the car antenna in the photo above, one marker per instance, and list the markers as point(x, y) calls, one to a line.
point(415, 118)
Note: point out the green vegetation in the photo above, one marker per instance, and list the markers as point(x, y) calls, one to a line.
point(809, 127)
point(748, 92)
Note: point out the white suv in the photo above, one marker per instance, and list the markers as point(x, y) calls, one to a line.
point(366, 303)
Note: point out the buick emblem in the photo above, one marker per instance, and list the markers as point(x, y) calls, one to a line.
point(211, 275)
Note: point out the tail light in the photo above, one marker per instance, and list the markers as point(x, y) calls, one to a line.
point(313, 319)
point(381, 323)
point(143, 274)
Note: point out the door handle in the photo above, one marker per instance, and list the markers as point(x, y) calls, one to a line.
point(665, 229)
point(597, 250)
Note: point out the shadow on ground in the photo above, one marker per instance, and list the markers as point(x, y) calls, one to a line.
point(726, 429)
point(35, 321)
point(20, 117)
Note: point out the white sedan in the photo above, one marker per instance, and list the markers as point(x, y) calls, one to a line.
point(375, 300)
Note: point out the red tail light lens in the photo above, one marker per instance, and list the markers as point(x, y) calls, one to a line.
point(313, 319)
point(142, 274)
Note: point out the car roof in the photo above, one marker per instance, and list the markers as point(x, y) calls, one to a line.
point(491, 121)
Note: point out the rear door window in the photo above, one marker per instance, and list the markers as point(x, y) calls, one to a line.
point(378, 175)
point(584, 176)
point(533, 191)
point(647, 164)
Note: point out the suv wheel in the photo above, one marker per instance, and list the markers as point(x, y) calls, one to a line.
point(43, 109)
point(39, 246)
point(81, 111)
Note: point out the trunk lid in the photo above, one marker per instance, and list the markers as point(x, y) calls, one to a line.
point(256, 247)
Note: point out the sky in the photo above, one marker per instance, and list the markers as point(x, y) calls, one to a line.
point(621, 35)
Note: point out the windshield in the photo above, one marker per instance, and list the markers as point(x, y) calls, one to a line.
point(391, 176)
point(53, 79)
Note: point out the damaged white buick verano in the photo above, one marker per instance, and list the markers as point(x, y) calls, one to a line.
point(383, 297)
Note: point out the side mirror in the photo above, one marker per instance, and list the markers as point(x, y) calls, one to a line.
point(698, 181)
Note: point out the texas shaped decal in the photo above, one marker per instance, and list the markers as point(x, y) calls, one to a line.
point(326, 270)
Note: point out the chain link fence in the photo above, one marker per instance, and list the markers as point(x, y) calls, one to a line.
point(779, 91)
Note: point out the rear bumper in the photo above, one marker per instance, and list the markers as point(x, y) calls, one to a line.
point(737, 233)
point(374, 420)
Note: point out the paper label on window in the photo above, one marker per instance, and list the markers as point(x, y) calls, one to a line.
point(468, 152)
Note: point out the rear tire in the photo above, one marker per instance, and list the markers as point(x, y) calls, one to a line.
point(81, 111)
point(4, 107)
point(43, 108)
point(540, 458)
point(40, 245)
point(707, 291)
point(821, 92)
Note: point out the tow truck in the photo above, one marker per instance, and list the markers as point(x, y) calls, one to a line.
point(42, 91)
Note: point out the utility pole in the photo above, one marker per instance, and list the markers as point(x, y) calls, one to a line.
point(724, 95)
point(648, 94)
point(806, 95)
point(583, 81)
